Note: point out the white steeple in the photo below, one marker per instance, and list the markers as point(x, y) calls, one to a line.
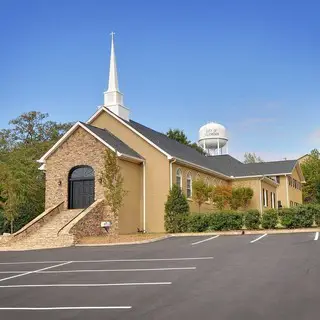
point(113, 98)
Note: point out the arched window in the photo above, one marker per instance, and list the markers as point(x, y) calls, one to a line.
point(179, 178)
point(189, 185)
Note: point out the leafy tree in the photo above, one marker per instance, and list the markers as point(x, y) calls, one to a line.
point(180, 136)
point(251, 158)
point(241, 197)
point(221, 196)
point(200, 192)
point(112, 181)
point(311, 171)
point(22, 185)
point(176, 210)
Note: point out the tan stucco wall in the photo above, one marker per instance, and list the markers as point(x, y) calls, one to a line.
point(270, 189)
point(212, 179)
point(295, 195)
point(255, 185)
point(157, 169)
point(130, 215)
point(81, 148)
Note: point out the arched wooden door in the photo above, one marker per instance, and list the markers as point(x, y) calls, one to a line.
point(81, 187)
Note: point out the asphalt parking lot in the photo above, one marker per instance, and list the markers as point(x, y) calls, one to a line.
point(212, 277)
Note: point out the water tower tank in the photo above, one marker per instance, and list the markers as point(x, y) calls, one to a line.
point(212, 137)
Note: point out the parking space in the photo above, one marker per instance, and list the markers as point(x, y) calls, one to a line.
point(184, 277)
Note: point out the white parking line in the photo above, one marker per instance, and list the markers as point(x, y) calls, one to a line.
point(316, 237)
point(35, 271)
point(214, 237)
point(67, 308)
point(105, 270)
point(257, 239)
point(123, 284)
point(114, 260)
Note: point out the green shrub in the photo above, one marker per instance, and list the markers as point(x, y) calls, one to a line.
point(298, 217)
point(316, 210)
point(177, 211)
point(198, 223)
point(252, 219)
point(269, 219)
point(228, 220)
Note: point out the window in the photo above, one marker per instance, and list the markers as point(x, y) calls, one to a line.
point(291, 203)
point(267, 198)
point(273, 200)
point(179, 178)
point(290, 181)
point(264, 197)
point(189, 185)
point(278, 179)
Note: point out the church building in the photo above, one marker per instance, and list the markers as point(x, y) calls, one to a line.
point(151, 163)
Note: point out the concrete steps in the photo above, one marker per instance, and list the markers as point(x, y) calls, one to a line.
point(48, 235)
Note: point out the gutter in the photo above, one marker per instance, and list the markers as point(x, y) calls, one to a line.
point(261, 195)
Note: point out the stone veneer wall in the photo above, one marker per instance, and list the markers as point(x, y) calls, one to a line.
point(81, 148)
point(88, 223)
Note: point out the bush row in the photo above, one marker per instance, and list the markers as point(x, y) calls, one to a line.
point(303, 216)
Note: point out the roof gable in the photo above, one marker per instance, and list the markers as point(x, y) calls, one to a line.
point(104, 136)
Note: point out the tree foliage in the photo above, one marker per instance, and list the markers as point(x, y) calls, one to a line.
point(241, 197)
point(22, 185)
point(221, 196)
point(252, 158)
point(112, 181)
point(176, 210)
point(181, 137)
point(311, 171)
point(200, 192)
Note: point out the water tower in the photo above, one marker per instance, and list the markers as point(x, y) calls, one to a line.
point(213, 139)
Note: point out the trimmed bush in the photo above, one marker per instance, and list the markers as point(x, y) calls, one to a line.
point(198, 223)
point(269, 219)
point(228, 220)
point(252, 219)
point(316, 211)
point(298, 217)
point(177, 211)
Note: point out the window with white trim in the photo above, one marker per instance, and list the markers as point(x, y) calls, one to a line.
point(189, 185)
point(179, 178)
point(264, 192)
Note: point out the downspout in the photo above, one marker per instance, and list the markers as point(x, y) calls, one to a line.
point(170, 171)
point(144, 194)
point(287, 189)
point(261, 195)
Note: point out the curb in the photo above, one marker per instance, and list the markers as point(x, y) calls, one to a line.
point(124, 243)
point(246, 232)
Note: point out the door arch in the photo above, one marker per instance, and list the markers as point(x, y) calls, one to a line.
point(81, 187)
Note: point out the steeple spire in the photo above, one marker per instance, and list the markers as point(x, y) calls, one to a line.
point(113, 74)
point(113, 98)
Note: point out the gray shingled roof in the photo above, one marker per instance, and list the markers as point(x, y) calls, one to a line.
point(113, 141)
point(266, 168)
point(224, 164)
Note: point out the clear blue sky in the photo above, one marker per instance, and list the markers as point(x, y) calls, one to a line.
point(253, 66)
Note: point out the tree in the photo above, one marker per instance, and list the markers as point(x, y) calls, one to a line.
point(251, 158)
point(112, 181)
point(311, 171)
point(200, 192)
point(221, 196)
point(241, 197)
point(176, 210)
point(180, 136)
point(22, 185)
point(30, 127)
